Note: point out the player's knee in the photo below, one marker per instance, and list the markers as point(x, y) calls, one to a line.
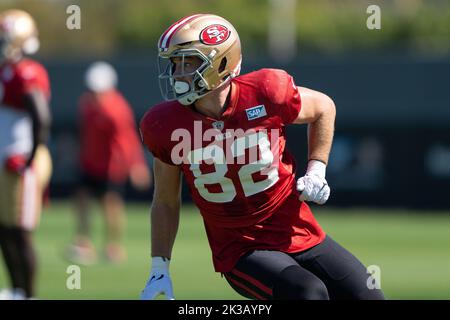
point(316, 291)
point(293, 285)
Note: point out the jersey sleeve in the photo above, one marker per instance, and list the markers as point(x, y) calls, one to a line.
point(283, 94)
point(152, 131)
point(35, 77)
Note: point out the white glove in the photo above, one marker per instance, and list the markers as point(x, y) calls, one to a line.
point(312, 185)
point(159, 281)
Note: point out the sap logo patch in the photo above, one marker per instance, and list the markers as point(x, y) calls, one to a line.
point(256, 112)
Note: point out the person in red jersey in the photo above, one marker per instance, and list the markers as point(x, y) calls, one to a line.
point(24, 157)
point(225, 134)
point(110, 153)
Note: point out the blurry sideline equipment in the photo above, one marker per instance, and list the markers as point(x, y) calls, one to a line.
point(25, 161)
point(110, 153)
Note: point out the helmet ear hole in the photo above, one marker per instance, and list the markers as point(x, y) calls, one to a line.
point(223, 64)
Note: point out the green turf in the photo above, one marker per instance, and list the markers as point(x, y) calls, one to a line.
point(412, 250)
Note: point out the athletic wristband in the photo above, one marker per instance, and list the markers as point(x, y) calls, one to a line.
point(317, 168)
point(160, 263)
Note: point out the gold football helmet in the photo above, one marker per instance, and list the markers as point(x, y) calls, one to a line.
point(208, 37)
point(18, 34)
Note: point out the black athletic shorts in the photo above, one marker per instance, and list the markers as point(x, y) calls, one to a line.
point(325, 271)
point(100, 186)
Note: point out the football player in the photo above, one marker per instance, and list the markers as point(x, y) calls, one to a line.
point(24, 158)
point(263, 236)
point(110, 152)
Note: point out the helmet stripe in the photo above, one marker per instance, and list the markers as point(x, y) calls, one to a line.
point(165, 38)
point(167, 30)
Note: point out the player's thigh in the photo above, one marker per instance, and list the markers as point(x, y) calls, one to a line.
point(264, 274)
point(343, 274)
point(10, 186)
point(21, 196)
point(43, 166)
point(20, 200)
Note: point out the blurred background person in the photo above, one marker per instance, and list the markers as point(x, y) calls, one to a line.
point(110, 154)
point(24, 158)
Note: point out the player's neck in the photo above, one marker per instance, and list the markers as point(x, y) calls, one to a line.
point(214, 103)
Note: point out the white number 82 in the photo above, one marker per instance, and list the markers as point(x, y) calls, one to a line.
point(245, 173)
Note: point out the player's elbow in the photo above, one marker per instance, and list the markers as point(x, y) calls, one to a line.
point(316, 106)
point(324, 109)
point(326, 106)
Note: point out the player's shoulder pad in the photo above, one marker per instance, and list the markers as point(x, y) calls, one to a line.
point(273, 83)
point(159, 117)
point(29, 69)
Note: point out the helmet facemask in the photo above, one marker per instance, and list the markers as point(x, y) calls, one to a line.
point(185, 92)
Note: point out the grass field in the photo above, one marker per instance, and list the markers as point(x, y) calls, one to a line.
point(411, 248)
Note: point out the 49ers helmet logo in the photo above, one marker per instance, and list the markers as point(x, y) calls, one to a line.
point(214, 34)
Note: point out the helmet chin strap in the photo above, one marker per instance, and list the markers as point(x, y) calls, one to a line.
point(189, 99)
point(182, 87)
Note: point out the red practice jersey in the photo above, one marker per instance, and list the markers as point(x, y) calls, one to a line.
point(110, 144)
point(239, 173)
point(16, 80)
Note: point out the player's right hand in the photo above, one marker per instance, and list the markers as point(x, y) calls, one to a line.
point(159, 281)
point(16, 164)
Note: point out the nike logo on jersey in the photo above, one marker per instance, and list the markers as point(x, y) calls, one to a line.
point(256, 112)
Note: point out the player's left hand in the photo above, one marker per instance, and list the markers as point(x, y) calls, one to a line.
point(313, 186)
point(159, 282)
point(140, 177)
